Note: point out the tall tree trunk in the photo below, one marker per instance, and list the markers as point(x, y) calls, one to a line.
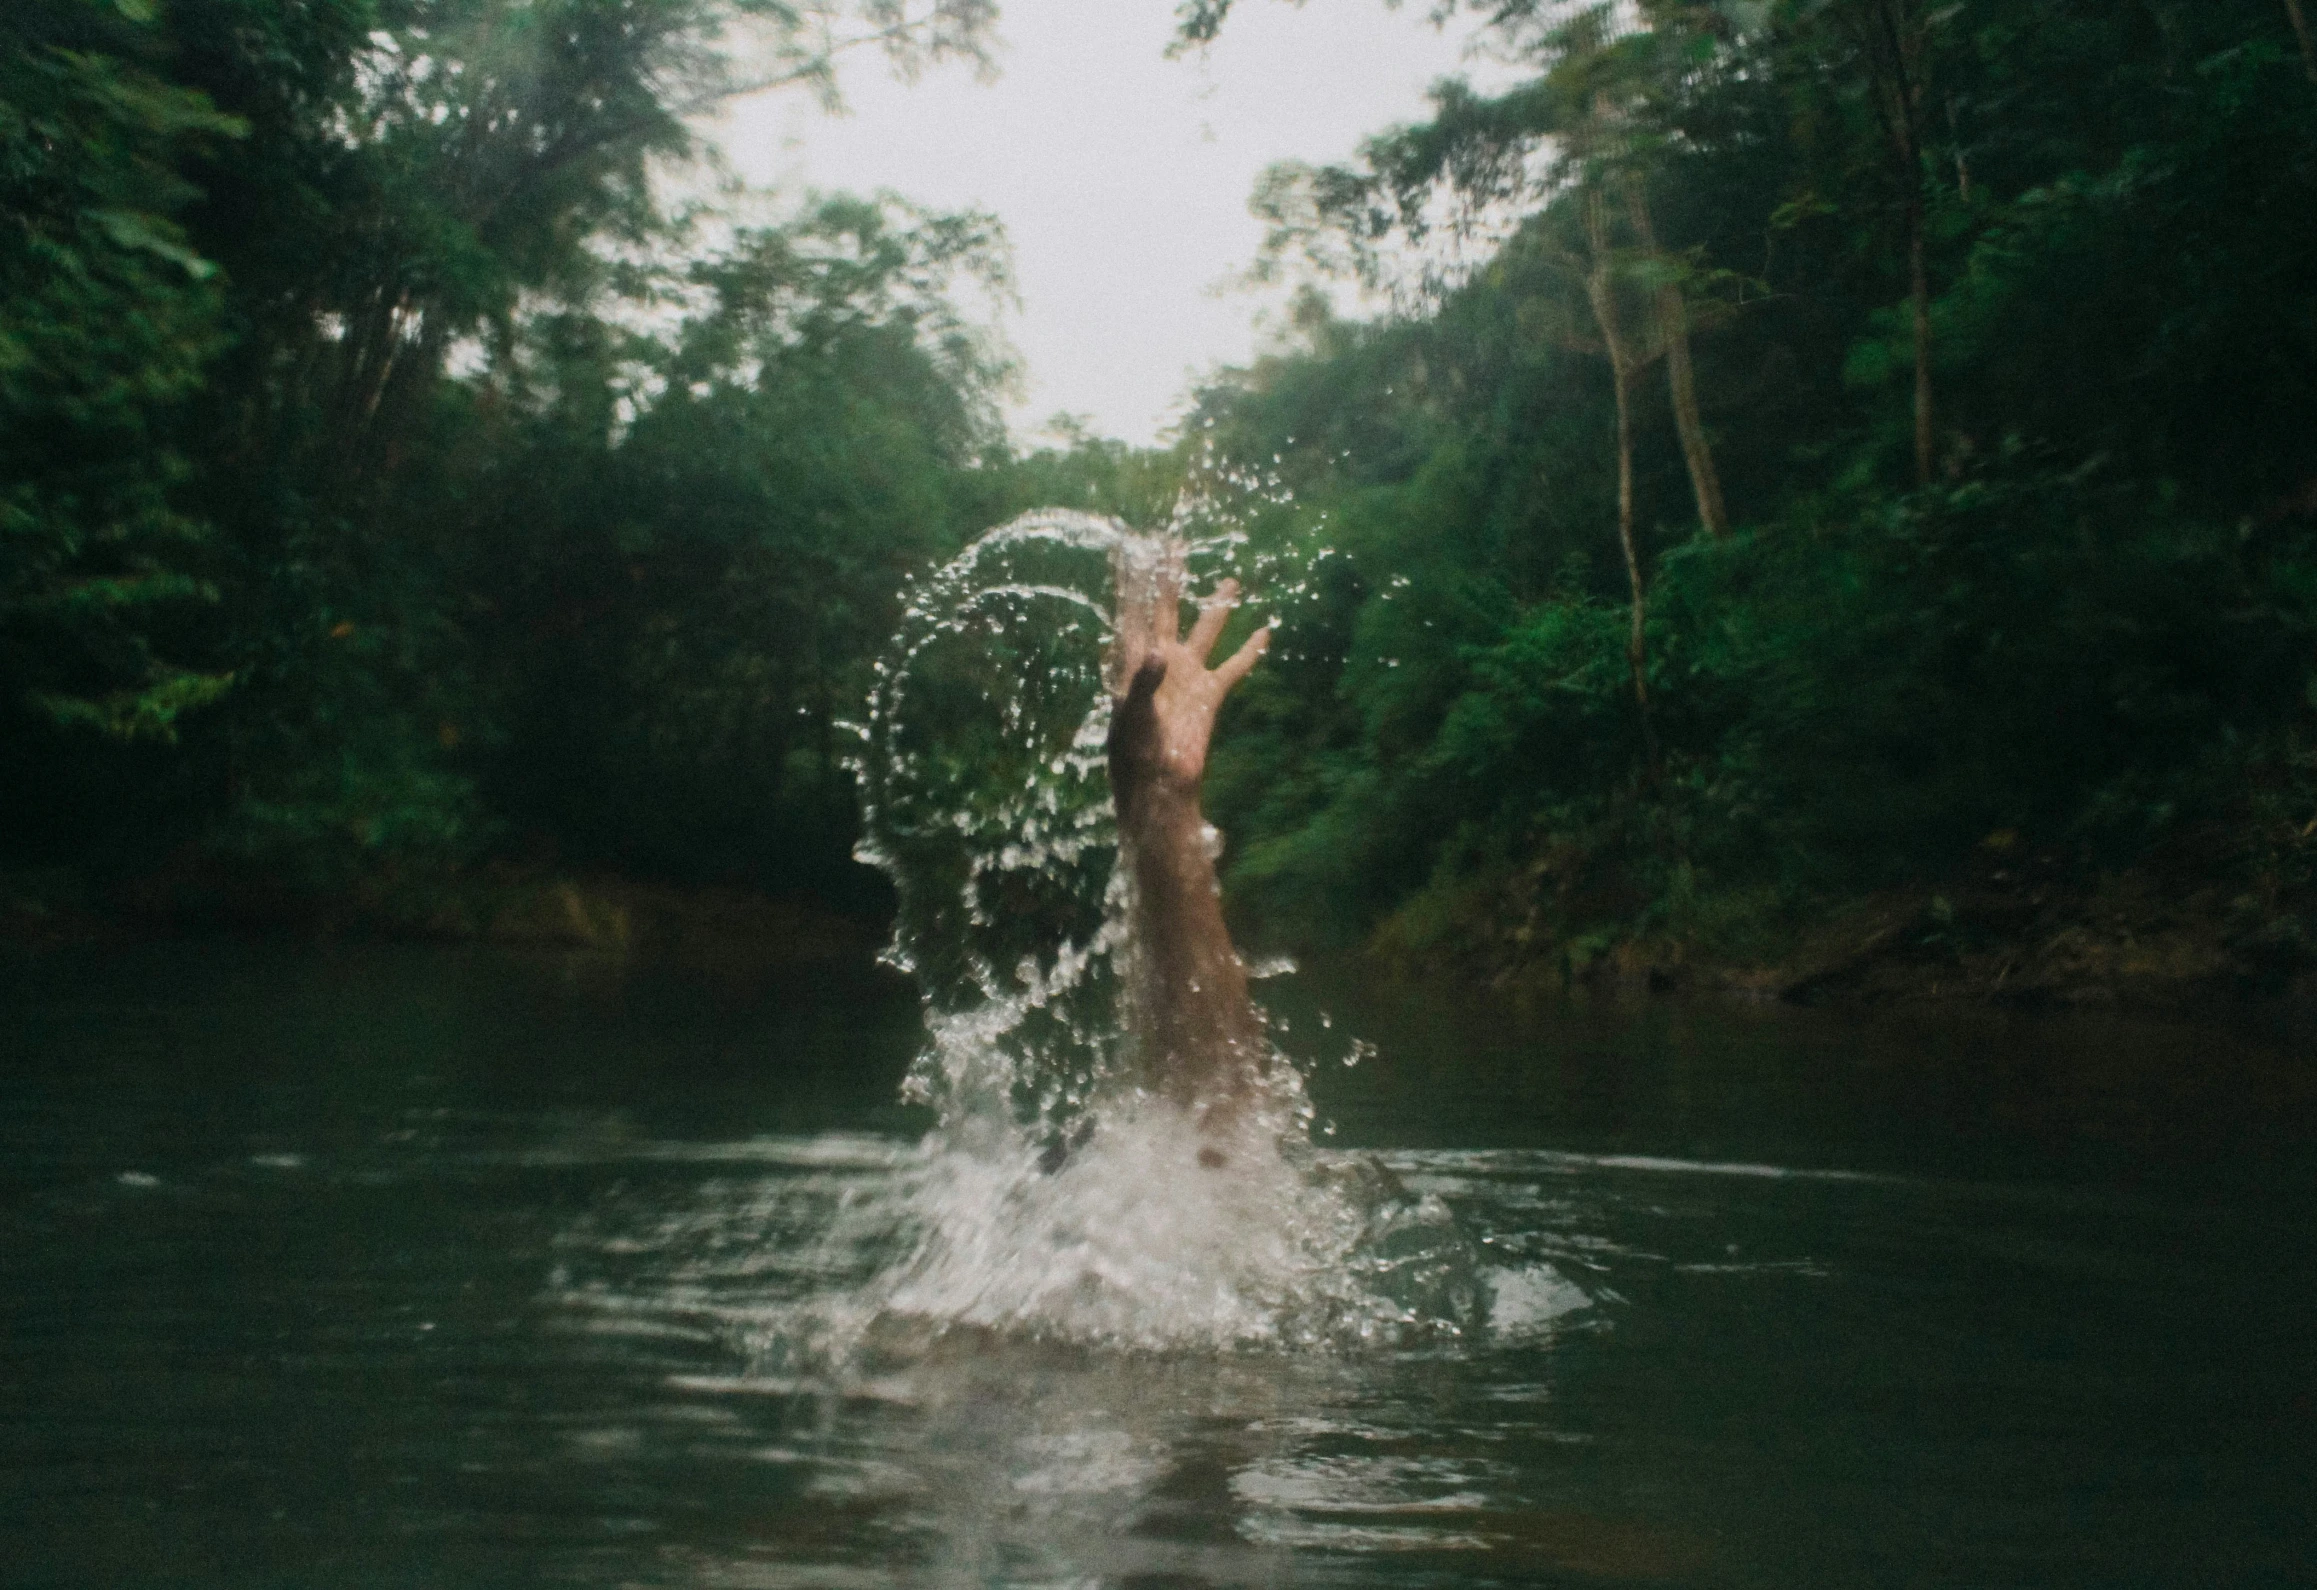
point(2308, 40)
point(1893, 37)
point(367, 350)
point(1624, 365)
point(1962, 155)
point(1673, 329)
point(1919, 290)
point(395, 412)
point(1636, 645)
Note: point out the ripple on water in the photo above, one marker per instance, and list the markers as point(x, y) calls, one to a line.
point(977, 1363)
point(1047, 1334)
point(835, 1252)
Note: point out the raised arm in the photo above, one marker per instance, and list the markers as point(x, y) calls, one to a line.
point(1195, 1031)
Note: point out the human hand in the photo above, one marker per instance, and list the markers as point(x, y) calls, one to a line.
point(1168, 694)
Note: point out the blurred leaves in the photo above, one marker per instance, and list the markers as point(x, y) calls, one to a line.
point(2093, 630)
point(363, 411)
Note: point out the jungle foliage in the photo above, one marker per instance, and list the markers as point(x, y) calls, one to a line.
point(393, 479)
point(1817, 446)
point(1876, 440)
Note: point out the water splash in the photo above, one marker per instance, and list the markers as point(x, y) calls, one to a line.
point(984, 801)
point(984, 1403)
point(980, 765)
point(1055, 1198)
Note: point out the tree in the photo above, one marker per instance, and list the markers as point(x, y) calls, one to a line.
point(1607, 97)
point(691, 537)
point(1886, 49)
point(2057, 259)
point(1597, 112)
point(1626, 361)
point(468, 152)
point(108, 321)
point(2306, 39)
point(422, 178)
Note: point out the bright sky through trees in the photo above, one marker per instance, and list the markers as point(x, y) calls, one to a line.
point(1122, 176)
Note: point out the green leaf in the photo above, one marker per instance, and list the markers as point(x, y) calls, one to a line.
point(133, 229)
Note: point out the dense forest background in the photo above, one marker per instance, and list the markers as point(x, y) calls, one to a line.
point(1876, 468)
point(399, 479)
point(1863, 468)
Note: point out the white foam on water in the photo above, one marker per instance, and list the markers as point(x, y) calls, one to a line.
point(1053, 1202)
point(1133, 1243)
point(1528, 1301)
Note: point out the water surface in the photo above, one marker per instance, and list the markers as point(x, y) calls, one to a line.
point(426, 1267)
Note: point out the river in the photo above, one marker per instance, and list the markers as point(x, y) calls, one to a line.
point(405, 1266)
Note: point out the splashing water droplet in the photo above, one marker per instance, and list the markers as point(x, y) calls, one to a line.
point(1054, 1195)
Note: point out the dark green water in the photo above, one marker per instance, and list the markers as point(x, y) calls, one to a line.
point(446, 1268)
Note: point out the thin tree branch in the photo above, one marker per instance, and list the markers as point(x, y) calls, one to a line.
point(2308, 40)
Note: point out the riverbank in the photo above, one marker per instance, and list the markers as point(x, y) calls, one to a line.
point(495, 905)
point(2190, 931)
point(2219, 919)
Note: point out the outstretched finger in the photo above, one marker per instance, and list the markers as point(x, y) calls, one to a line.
point(1241, 662)
point(1130, 639)
point(1214, 613)
point(1167, 613)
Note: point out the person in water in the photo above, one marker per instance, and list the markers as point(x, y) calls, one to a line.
point(1196, 1033)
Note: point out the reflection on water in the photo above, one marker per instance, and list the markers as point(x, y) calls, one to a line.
point(1041, 1432)
point(442, 1268)
point(961, 1452)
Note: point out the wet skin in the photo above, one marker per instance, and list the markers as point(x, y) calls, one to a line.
point(1199, 1039)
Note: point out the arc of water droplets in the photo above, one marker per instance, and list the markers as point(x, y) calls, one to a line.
point(980, 759)
point(1039, 823)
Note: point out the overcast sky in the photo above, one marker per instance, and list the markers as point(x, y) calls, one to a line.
point(1122, 177)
